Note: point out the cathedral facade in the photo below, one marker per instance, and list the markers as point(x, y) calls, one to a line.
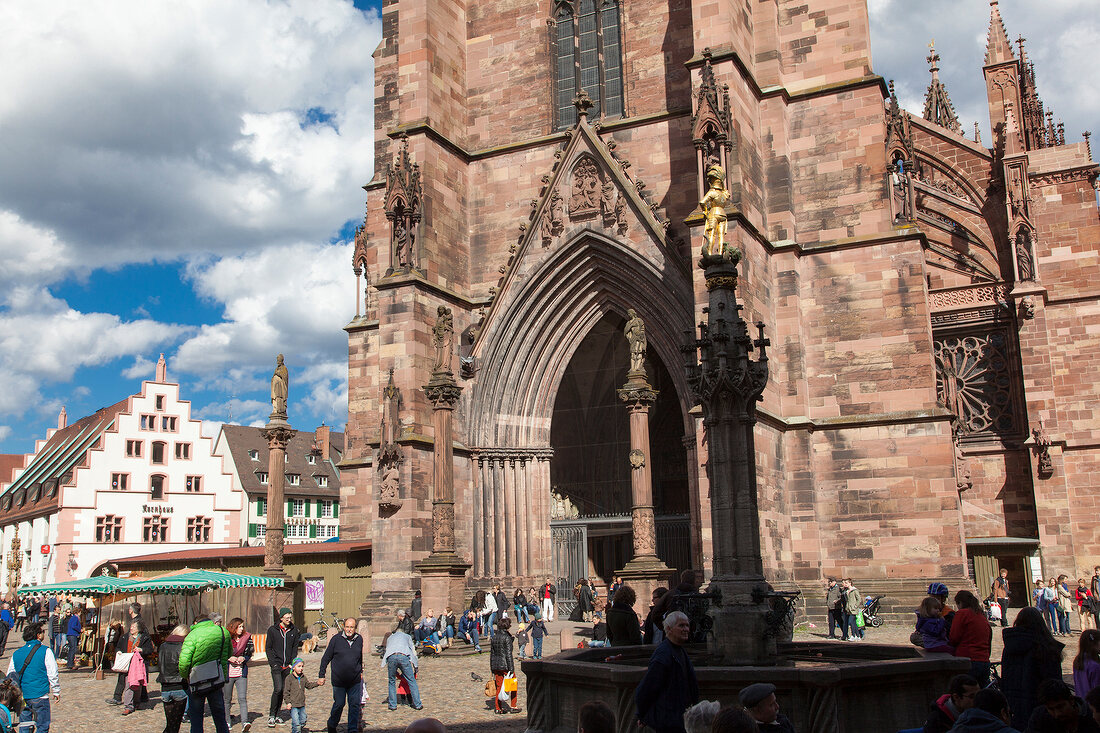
point(931, 303)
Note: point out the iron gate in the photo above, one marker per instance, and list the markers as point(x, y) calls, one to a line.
point(569, 542)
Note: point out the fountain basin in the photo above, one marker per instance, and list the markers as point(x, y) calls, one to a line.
point(822, 687)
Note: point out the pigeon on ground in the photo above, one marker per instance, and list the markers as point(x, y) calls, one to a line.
point(476, 677)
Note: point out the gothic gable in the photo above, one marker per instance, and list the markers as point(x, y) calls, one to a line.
point(588, 188)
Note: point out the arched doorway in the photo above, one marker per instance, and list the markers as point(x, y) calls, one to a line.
point(590, 473)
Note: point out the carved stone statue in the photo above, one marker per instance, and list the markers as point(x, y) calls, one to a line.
point(1023, 255)
point(403, 242)
point(607, 202)
point(280, 385)
point(714, 204)
point(389, 487)
point(442, 338)
point(585, 198)
point(635, 336)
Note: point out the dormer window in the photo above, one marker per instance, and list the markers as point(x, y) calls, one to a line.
point(254, 454)
point(322, 481)
point(262, 476)
point(293, 479)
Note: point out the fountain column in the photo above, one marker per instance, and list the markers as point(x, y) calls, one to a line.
point(645, 571)
point(727, 384)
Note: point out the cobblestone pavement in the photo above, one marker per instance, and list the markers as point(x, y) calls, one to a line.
point(447, 688)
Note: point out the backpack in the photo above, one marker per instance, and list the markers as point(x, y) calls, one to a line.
point(5, 719)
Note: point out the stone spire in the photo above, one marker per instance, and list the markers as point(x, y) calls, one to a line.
point(997, 48)
point(937, 104)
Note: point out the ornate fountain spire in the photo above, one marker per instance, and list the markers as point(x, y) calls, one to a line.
point(937, 103)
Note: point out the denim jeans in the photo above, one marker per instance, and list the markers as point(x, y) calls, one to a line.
point(395, 662)
point(850, 624)
point(174, 702)
point(37, 710)
point(521, 613)
point(1063, 621)
point(835, 617)
point(196, 705)
point(1052, 618)
point(536, 647)
point(449, 632)
point(489, 624)
point(297, 719)
point(473, 638)
point(354, 697)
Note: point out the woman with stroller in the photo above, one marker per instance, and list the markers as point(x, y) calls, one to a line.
point(971, 635)
point(1031, 655)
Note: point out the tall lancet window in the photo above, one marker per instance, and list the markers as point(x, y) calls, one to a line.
point(588, 56)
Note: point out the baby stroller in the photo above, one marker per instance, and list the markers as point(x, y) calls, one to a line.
point(871, 611)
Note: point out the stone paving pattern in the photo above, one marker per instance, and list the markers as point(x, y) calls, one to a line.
point(447, 690)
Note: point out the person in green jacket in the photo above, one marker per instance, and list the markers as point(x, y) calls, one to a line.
point(204, 643)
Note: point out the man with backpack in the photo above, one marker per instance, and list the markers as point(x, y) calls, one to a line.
point(34, 668)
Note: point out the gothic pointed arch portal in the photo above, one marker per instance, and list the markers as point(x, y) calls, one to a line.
point(590, 471)
point(531, 355)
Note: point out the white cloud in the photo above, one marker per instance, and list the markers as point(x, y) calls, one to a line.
point(140, 369)
point(42, 340)
point(138, 131)
point(5, 431)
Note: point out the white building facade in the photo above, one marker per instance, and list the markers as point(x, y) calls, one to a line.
point(133, 478)
point(311, 488)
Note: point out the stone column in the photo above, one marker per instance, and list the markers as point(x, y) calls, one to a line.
point(443, 572)
point(278, 434)
point(645, 571)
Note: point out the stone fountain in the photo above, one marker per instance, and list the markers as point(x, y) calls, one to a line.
point(822, 687)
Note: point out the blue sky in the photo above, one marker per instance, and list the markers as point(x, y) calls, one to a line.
point(184, 178)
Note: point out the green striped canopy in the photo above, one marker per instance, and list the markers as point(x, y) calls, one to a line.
point(196, 581)
point(97, 585)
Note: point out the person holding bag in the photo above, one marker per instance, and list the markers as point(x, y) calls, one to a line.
point(140, 647)
point(503, 667)
point(204, 665)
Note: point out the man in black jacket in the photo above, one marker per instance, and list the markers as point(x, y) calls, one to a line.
point(345, 652)
point(669, 686)
point(282, 647)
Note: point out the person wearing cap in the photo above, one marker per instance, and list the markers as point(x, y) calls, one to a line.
point(281, 647)
point(939, 590)
point(669, 686)
point(759, 700)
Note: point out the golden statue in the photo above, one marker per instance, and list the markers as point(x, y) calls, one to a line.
point(714, 204)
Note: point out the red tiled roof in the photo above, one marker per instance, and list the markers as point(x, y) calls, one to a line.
point(8, 463)
point(207, 553)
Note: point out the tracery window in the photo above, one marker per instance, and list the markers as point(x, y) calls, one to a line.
point(974, 380)
point(588, 56)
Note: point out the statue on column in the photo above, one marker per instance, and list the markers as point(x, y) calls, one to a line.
point(635, 336)
point(280, 384)
point(714, 204)
point(442, 338)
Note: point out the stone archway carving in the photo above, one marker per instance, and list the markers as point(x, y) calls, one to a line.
point(528, 347)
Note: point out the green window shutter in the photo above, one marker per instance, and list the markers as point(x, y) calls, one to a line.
point(289, 507)
point(307, 503)
point(335, 509)
point(251, 530)
point(313, 531)
point(261, 507)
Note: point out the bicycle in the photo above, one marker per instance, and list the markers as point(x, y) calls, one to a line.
point(323, 626)
point(994, 677)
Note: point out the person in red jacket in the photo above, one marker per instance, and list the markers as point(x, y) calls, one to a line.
point(971, 635)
